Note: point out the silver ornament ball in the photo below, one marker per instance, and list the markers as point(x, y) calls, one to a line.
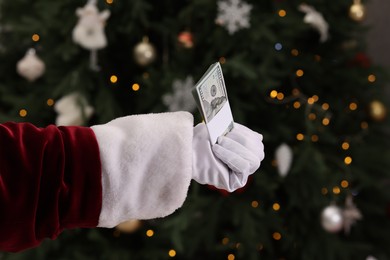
point(332, 219)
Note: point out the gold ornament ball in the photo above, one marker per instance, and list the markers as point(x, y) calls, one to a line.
point(129, 226)
point(357, 11)
point(377, 110)
point(144, 52)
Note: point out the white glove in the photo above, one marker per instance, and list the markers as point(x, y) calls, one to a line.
point(227, 164)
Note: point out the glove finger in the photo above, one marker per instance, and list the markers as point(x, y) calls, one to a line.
point(233, 160)
point(241, 151)
point(248, 138)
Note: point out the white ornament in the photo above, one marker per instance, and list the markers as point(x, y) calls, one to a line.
point(284, 158)
point(332, 219)
point(181, 99)
point(370, 257)
point(30, 66)
point(73, 110)
point(233, 15)
point(144, 52)
point(89, 30)
point(351, 214)
point(316, 20)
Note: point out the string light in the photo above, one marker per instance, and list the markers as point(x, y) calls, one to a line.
point(296, 92)
point(371, 78)
point(299, 73)
point(23, 112)
point(50, 102)
point(325, 121)
point(231, 257)
point(273, 94)
point(255, 204)
point(114, 79)
point(314, 138)
point(325, 106)
point(348, 160)
point(280, 96)
point(310, 101)
point(364, 125)
point(225, 241)
point(297, 104)
point(172, 253)
point(277, 236)
point(345, 145)
point(336, 190)
point(315, 98)
point(294, 52)
point(300, 137)
point(276, 206)
point(35, 37)
point(109, 1)
point(149, 233)
point(344, 184)
point(135, 87)
point(222, 60)
point(353, 106)
point(317, 58)
point(324, 191)
point(312, 116)
point(282, 13)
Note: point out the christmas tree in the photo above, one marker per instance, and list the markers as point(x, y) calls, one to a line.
point(295, 72)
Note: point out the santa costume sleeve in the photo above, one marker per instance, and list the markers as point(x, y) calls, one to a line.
point(56, 178)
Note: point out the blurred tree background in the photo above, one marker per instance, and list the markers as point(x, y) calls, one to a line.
point(295, 71)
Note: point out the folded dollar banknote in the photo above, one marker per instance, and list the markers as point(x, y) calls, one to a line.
point(211, 97)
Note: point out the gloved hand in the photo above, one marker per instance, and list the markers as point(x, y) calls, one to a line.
point(228, 163)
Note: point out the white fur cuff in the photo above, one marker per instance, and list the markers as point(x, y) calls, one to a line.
point(146, 165)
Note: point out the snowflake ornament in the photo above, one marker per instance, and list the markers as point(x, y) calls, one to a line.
point(351, 214)
point(233, 15)
point(181, 99)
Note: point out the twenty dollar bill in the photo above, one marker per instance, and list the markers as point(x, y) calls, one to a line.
point(212, 100)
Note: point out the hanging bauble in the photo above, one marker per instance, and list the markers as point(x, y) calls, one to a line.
point(357, 11)
point(186, 39)
point(31, 66)
point(73, 110)
point(316, 20)
point(332, 219)
point(284, 157)
point(129, 226)
point(89, 30)
point(377, 111)
point(144, 52)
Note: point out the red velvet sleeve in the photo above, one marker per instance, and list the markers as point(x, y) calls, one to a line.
point(50, 180)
